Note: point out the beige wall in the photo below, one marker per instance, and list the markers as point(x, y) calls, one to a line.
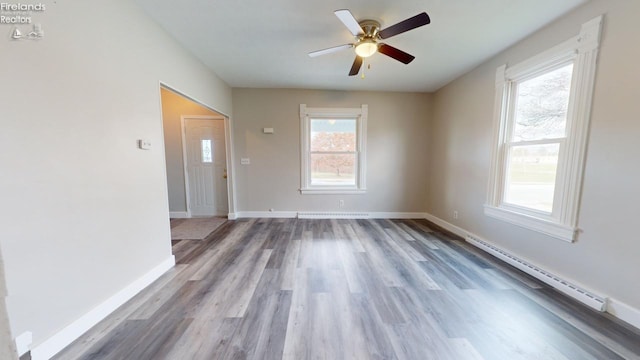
point(605, 257)
point(84, 212)
point(173, 107)
point(397, 143)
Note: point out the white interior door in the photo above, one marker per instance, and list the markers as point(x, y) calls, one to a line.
point(205, 159)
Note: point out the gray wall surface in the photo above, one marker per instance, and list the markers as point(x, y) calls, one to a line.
point(397, 150)
point(84, 211)
point(605, 256)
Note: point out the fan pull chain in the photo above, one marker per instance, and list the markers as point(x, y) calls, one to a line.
point(368, 67)
point(363, 61)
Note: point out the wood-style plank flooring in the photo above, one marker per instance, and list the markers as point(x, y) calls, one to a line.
point(348, 289)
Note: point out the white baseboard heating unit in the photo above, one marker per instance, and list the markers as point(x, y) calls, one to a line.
point(331, 215)
point(586, 297)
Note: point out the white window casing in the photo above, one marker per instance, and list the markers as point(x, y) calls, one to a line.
point(360, 116)
point(582, 52)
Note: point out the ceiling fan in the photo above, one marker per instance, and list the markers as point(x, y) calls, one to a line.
point(368, 36)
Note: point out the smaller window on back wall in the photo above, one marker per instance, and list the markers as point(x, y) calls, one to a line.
point(333, 150)
point(542, 116)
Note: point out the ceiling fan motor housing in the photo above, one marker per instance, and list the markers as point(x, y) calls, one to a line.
point(371, 29)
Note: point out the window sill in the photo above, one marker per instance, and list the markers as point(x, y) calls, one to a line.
point(553, 229)
point(331, 191)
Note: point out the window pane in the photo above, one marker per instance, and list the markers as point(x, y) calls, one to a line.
point(333, 169)
point(532, 176)
point(207, 155)
point(333, 135)
point(541, 107)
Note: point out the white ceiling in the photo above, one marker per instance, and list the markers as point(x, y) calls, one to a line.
point(264, 43)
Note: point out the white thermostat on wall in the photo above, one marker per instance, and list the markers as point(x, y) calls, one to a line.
point(267, 130)
point(144, 144)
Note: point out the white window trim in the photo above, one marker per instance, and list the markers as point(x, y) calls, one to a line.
point(583, 51)
point(360, 114)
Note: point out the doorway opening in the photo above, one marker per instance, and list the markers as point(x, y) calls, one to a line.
point(198, 157)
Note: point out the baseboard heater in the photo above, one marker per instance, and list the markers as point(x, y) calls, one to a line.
point(586, 297)
point(332, 215)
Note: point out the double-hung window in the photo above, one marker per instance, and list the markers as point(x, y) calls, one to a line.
point(333, 150)
point(542, 117)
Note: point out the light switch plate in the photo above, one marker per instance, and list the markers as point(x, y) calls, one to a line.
point(245, 161)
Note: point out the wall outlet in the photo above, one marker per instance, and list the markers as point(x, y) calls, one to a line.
point(341, 203)
point(455, 214)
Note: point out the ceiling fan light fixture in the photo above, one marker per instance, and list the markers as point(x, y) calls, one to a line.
point(367, 34)
point(366, 48)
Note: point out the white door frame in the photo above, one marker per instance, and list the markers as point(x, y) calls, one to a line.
point(231, 190)
point(185, 170)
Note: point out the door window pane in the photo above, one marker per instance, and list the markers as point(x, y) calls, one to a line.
point(541, 105)
point(531, 176)
point(207, 154)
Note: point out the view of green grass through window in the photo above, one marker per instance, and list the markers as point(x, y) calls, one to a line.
point(333, 152)
point(536, 138)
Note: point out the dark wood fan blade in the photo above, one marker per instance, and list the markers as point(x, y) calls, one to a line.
point(355, 68)
point(349, 21)
point(330, 50)
point(406, 25)
point(397, 54)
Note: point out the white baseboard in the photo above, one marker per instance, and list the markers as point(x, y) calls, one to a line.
point(329, 214)
point(186, 215)
point(71, 332)
point(614, 307)
point(179, 215)
point(267, 214)
point(333, 215)
point(232, 216)
point(397, 215)
point(624, 312)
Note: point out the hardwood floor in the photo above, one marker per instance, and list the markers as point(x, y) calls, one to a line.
point(348, 289)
